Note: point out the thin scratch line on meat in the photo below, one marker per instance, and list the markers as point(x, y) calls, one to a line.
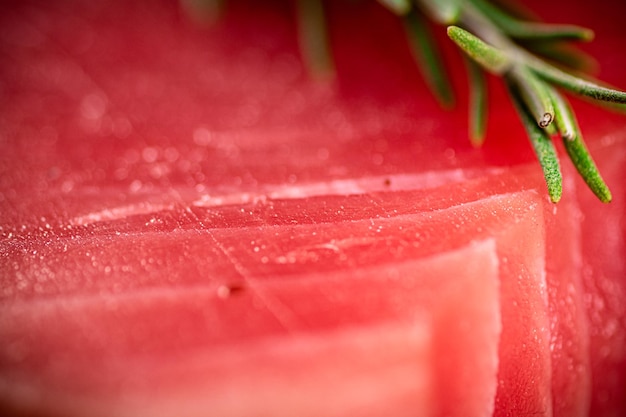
point(284, 316)
point(282, 313)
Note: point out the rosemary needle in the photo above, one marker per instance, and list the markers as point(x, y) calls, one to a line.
point(519, 29)
point(535, 94)
point(477, 103)
point(575, 84)
point(427, 57)
point(562, 55)
point(492, 59)
point(542, 145)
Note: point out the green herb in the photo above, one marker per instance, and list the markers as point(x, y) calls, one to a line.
point(532, 57)
point(502, 43)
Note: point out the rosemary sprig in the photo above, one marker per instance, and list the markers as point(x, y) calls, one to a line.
point(502, 43)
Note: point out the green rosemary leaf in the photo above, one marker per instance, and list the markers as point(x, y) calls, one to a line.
point(542, 145)
point(541, 31)
point(573, 83)
point(477, 102)
point(313, 38)
point(535, 94)
point(562, 55)
point(531, 30)
point(576, 148)
point(399, 7)
point(490, 58)
point(428, 58)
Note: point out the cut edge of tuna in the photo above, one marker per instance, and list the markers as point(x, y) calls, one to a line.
point(388, 365)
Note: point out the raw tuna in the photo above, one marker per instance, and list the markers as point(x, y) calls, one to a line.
point(192, 226)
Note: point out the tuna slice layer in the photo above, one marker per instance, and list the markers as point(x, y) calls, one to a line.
point(277, 317)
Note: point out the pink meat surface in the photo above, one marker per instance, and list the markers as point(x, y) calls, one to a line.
point(190, 225)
